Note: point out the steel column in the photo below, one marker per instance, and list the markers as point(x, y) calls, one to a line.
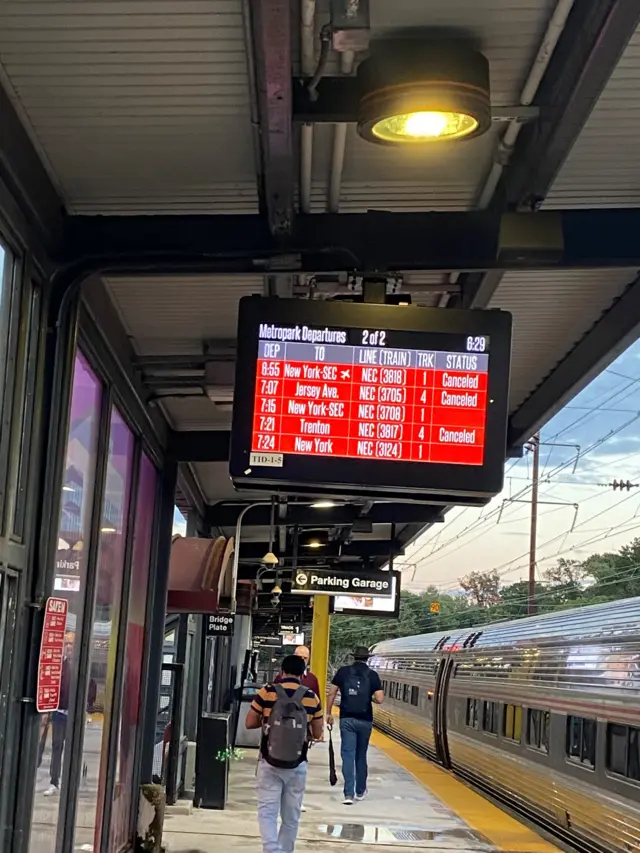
point(319, 663)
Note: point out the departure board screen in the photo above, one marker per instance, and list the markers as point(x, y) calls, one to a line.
point(370, 395)
point(378, 398)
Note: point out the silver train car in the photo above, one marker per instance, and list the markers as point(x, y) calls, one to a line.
point(542, 713)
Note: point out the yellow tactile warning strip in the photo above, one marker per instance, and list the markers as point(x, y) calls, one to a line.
point(499, 828)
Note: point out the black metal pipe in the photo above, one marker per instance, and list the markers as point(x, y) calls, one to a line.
point(159, 577)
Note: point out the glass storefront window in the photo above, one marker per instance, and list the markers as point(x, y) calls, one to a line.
point(106, 623)
point(70, 583)
point(121, 815)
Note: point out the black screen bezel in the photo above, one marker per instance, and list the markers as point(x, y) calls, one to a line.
point(357, 476)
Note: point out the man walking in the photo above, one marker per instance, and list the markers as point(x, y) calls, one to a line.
point(308, 678)
point(289, 714)
point(359, 686)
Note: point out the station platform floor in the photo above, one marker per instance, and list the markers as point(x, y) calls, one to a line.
point(412, 805)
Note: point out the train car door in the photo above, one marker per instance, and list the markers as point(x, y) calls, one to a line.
point(445, 669)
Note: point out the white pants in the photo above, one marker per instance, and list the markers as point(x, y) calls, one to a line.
point(280, 792)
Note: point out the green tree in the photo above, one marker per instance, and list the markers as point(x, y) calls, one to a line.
point(482, 588)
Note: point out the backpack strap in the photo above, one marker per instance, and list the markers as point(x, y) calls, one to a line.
point(300, 693)
point(280, 692)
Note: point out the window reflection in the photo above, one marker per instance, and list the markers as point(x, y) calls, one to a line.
point(102, 658)
point(130, 711)
point(69, 583)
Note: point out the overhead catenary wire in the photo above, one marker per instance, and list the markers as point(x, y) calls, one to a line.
point(524, 491)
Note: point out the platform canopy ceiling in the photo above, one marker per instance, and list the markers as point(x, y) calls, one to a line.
point(162, 141)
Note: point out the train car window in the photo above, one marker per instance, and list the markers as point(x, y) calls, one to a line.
point(538, 729)
point(406, 693)
point(581, 740)
point(415, 694)
point(472, 713)
point(512, 728)
point(623, 751)
point(490, 716)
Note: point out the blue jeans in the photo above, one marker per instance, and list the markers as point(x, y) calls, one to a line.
point(279, 792)
point(354, 742)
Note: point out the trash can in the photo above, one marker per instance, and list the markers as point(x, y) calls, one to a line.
point(212, 772)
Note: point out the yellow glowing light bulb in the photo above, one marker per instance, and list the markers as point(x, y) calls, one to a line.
point(426, 124)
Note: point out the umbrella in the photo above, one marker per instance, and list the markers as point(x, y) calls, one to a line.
point(333, 776)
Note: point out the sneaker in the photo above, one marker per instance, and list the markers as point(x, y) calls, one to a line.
point(361, 796)
point(51, 791)
point(348, 801)
point(303, 808)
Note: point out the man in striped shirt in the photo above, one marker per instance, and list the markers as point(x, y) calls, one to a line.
point(280, 789)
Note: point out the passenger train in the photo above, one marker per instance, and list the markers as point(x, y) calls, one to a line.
point(542, 713)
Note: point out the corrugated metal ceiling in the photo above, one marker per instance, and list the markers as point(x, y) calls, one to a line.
point(552, 310)
point(172, 315)
point(603, 169)
point(139, 105)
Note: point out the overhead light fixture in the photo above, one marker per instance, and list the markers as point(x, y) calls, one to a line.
point(314, 544)
point(323, 505)
point(108, 530)
point(414, 92)
point(67, 489)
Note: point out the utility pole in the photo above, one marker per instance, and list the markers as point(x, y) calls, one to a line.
point(535, 442)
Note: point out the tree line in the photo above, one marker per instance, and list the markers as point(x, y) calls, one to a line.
point(483, 599)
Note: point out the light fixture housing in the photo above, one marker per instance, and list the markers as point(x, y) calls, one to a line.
point(417, 92)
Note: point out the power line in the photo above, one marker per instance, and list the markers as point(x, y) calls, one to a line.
point(481, 522)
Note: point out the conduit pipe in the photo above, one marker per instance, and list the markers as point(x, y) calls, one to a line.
point(505, 146)
point(347, 60)
point(308, 53)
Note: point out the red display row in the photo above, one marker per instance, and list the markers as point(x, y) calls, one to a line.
point(292, 400)
point(400, 427)
point(347, 375)
point(408, 451)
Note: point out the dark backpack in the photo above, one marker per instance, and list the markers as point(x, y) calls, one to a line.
point(286, 729)
point(355, 692)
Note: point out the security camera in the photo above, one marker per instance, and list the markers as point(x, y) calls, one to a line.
point(270, 559)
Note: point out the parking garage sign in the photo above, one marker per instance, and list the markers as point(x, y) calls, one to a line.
point(372, 584)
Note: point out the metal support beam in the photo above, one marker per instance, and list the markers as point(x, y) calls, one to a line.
point(320, 643)
point(356, 549)
point(304, 515)
point(354, 241)
point(26, 179)
point(338, 101)
point(200, 446)
point(270, 25)
point(590, 47)
point(587, 53)
point(610, 336)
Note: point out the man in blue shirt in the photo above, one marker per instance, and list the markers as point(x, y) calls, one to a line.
point(359, 686)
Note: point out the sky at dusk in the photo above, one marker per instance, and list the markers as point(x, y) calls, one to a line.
point(598, 435)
